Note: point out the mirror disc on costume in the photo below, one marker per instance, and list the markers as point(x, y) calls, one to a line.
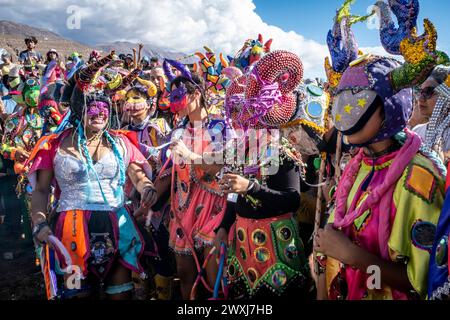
point(252, 275)
point(184, 187)
point(423, 234)
point(291, 252)
point(315, 90)
point(279, 278)
point(27, 135)
point(241, 235)
point(199, 209)
point(285, 233)
point(180, 233)
point(314, 109)
point(262, 254)
point(10, 126)
point(442, 252)
point(217, 128)
point(231, 270)
point(243, 253)
point(259, 237)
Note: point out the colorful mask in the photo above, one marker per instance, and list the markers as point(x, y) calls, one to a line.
point(178, 99)
point(31, 93)
point(98, 107)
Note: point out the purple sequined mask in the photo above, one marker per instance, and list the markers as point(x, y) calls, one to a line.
point(178, 98)
point(98, 107)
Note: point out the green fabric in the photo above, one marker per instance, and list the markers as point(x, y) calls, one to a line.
point(411, 208)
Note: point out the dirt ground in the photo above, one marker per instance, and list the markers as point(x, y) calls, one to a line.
point(20, 279)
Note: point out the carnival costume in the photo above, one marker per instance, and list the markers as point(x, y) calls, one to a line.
point(90, 220)
point(51, 90)
point(439, 273)
point(267, 256)
point(197, 202)
point(21, 133)
point(387, 204)
point(151, 134)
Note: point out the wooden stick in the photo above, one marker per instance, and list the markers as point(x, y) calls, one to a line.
point(337, 171)
point(318, 216)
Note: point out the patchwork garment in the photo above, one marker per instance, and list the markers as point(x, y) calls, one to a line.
point(439, 273)
point(267, 253)
point(417, 199)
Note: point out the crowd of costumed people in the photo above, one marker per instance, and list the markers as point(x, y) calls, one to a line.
point(139, 178)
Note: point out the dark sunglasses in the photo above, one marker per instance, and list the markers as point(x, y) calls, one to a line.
point(427, 93)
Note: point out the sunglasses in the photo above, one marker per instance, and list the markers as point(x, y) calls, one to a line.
point(427, 93)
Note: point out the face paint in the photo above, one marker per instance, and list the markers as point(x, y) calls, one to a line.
point(178, 99)
point(97, 108)
point(135, 106)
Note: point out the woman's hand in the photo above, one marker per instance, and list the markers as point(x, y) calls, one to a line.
point(148, 197)
point(22, 156)
point(181, 152)
point(43, 235)
point(233, 183)
point(141, 214)
point(336, 244)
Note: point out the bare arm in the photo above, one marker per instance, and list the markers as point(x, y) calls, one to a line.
point(335, 244)
point(138, 177)
point(41, 193)
point(392, 274)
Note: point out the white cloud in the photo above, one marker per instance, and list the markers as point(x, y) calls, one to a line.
point(184, 25)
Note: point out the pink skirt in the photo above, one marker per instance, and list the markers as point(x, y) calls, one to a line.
point(194, 225)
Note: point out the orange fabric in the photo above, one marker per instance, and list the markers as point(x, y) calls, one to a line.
point(74, 232)
point(48, 280)
point(421, 181)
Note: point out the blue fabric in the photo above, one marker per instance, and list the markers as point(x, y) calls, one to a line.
point(438, 275)
point(25, 55)
point(130, 244)
point(112, 290)
point(10, 104)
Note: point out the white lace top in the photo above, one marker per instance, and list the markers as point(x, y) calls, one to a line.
point(82, 192)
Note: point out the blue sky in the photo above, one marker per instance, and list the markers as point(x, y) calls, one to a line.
point(298, 26)
point(313, 18)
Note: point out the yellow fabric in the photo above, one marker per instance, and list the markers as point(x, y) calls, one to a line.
point(415, 185)
point(410, 209)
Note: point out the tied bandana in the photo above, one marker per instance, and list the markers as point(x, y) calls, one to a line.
point(97, 108)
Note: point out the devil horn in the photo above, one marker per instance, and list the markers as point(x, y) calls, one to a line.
point(168, 71)
point(87, 74)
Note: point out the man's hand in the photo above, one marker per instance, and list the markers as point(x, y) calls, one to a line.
point(233, 183)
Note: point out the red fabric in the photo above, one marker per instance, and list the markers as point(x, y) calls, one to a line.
point(448, 178)
point(131, 135)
